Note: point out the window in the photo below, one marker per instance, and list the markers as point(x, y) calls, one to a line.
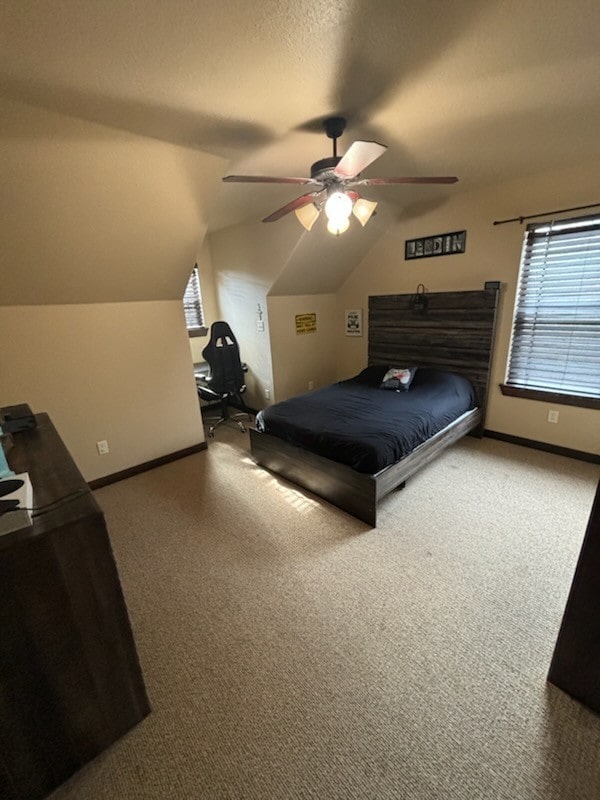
point(192, 305)
point(555, 346)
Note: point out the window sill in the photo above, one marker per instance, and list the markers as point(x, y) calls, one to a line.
point(551, 397)
point(193, 332)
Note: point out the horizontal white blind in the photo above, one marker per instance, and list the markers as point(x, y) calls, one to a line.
point(192, 302)
point(555, 343)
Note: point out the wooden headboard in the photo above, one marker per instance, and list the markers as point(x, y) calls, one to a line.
point(455, 333)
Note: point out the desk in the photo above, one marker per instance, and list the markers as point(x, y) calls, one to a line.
point(201, 370)
point(201, 373)
point(70, 680)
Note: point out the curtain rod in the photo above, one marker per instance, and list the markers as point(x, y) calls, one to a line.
point(544, 214)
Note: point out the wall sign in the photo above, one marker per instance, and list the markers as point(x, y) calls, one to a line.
point(444, 244)
point(306, 323)
point(354, 322)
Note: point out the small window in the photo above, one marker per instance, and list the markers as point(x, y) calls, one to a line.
point(192, 305)
point(555, 346)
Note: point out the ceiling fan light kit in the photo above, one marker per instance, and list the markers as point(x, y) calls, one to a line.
point(363, 210)
point(338, 207)
point(333, 179)
point(308, 215)
point(338, 226)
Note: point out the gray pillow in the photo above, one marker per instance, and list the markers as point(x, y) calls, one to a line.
point(398, 378)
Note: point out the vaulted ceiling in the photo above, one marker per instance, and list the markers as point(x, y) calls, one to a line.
point(481, 89)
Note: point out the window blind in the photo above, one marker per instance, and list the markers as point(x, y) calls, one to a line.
point(192, 302)
point(555, 344)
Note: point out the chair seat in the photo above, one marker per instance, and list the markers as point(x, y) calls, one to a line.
point(206, 393)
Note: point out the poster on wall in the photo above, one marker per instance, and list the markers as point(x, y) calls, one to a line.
point(443, 244)
point(306, 323)
point(354, 322)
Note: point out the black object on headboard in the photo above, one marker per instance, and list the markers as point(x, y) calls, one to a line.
point(456, 333)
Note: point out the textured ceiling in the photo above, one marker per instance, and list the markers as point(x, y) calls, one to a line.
point(479, 89)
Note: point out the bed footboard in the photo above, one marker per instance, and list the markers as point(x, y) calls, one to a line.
point(354, 492)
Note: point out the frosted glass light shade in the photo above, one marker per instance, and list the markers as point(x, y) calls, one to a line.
point(338, 227)
point(363, 210)
point(308, 215)
point(338, 207)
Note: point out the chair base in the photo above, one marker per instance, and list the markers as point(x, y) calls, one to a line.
point(207, 394)
point(229, 418)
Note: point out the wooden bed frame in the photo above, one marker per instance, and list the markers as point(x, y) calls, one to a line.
point(456, 333)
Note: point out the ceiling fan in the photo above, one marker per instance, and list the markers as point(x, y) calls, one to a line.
point(334, 180)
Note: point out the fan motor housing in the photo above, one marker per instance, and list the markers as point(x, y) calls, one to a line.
point(334, 127)
point(320, 168)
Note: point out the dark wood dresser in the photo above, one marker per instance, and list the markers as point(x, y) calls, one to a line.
point(70, 679)
point(575, 666)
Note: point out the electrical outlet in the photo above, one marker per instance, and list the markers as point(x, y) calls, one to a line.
point(102, 447)
point(260, 326)
point(552, 415)
point(311, 386)
point(267, 393)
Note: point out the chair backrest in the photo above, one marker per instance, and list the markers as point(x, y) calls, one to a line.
point(222, 354)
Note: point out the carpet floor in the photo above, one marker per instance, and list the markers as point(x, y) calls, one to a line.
point(292, 652)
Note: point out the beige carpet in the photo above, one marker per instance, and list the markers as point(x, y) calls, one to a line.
point(290, 651)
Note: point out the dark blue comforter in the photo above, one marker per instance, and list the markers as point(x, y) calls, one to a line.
point(368, 428)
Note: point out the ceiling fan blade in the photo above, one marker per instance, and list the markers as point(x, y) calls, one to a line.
point(303, 200)
point(265, 179)
point(358, 156)
point(390, 181)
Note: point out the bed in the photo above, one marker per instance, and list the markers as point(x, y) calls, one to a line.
point(348, 443)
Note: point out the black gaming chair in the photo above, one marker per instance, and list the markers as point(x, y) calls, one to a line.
point(226, 381)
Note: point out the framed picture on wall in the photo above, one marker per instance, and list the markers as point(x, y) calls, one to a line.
point(444, 244)
point(354, 322)
point(306, 323)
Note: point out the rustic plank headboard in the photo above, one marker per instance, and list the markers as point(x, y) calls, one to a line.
point(455, 333)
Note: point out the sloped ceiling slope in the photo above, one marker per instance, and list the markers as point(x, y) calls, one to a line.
point(319, 263)
point(287, 260)
point(485, 91)
point(89, 214)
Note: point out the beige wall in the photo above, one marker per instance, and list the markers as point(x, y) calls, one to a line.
point(492, 253)
point(300, 358)
point(117, 371)
point(253, 263)
point(246, 260)
point(266, 265)
point(239, 299)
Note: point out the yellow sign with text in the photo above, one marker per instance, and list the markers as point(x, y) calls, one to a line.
point(306, 323)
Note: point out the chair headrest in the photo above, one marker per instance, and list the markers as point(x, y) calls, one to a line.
point(221, 335)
